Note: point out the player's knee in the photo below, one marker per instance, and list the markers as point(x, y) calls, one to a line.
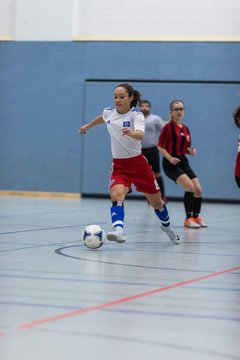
point(117, 195)
point(197, 191)
point(189, 187)
point(155, 201)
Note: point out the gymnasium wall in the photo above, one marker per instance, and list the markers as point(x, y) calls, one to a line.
point(48, 89)
point(59, 63)
point(148, 20)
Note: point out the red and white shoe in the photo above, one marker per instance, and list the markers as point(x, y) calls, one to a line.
point(191, 223)
point(200, 222)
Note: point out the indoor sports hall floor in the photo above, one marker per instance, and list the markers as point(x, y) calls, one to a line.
point(146, 299)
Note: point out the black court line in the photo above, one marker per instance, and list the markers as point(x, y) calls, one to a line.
point(145, 81)
point(60, 251)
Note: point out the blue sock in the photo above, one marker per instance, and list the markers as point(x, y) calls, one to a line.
point(163, 216)
point(117, 214)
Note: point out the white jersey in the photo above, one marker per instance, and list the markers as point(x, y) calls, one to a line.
point(124, 146)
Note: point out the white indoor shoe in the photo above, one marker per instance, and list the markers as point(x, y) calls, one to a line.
point(116, 235)
point(173, 236)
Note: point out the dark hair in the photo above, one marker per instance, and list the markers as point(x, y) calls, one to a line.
point(236, 116)
point(145, 102)
point(175, 101)
point(131, 92)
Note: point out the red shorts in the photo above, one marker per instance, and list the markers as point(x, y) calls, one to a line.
point(135, 170)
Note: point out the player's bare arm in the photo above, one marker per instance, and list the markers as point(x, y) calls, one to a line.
point(97, 121)
point(138, 134)
point(191, 151)
point(171, 159)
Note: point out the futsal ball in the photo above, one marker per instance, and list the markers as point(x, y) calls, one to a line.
point(93, 236)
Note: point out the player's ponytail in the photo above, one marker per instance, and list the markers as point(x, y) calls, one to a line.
point(131, 92)
point(136, 98)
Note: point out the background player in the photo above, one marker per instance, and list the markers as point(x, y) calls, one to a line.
point(236, 117)
point(153, 127)
point(174, 143)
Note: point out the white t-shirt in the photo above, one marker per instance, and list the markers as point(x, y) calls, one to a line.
point(153, 127)
point(124, 146)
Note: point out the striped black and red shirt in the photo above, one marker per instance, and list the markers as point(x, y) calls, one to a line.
point(175, 139)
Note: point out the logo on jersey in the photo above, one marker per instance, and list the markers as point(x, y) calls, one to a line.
point(108, 122)
point(112, 181)
point(156, 185)
point(126, 124)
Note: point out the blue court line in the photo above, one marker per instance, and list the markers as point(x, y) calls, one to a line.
point(31, 246)
point(140, 341)
point(77, 280)
point(108, 282)
point(55, 212)
point(103, 223)
point(171, 252)
point(166, 314)
point(125, 311)
point(40, 305)
point(44, 229)
point(213, 288)
point(72, 291)
point(99, 294)
point(32, 288)
point(37, 246)
point(46, 272)
point(76, 299)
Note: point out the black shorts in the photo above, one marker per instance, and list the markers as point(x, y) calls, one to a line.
point(237, 178)
point(174, 171)
point(153, 158)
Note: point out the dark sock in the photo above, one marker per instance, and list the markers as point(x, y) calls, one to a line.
point(196, 206)
point(188, 204)
point(161, 185)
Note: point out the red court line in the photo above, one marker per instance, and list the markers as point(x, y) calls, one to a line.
point(122, 300)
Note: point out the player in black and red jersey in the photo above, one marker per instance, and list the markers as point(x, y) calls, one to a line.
point(174, 143)
point(236, 117)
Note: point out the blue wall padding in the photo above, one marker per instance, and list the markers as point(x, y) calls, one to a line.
point(48, 89)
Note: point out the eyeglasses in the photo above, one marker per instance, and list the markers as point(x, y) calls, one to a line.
point(178, 109)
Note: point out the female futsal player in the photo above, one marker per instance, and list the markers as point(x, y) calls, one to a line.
point(236, 117)
point(125, 125)
point(174, 143)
